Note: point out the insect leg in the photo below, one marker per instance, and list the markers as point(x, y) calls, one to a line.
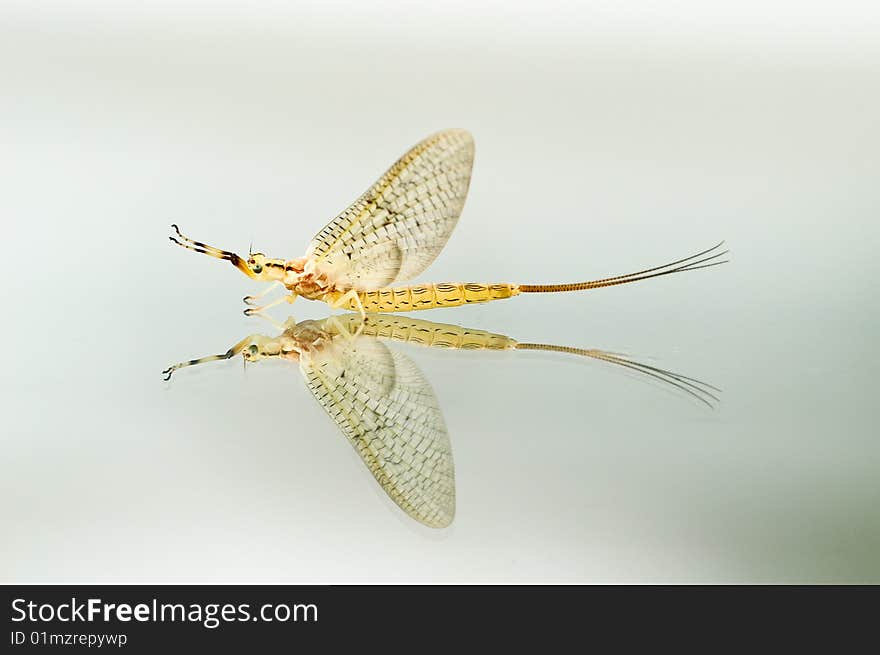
point(249, 300)
point(211, 251)
point(357, 300)
point(344, 331)
point(250, 311)
point(351, 294)
point(281, 327)
point(229, 354)
point(198, 246)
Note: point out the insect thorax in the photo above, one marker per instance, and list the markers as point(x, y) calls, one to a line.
point(307, 286)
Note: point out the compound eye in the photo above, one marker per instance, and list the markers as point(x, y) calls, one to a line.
point(258, 268)
point(252, 349)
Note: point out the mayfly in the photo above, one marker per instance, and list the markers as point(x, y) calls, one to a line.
point(385, 406)
point(392, 233)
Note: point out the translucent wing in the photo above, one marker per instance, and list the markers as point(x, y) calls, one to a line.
point(398, 227)
point(390, 415)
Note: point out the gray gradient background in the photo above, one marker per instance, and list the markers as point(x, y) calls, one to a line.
point(608, 139)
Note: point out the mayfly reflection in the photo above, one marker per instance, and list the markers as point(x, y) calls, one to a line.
point(384, 405)
point(393, 232)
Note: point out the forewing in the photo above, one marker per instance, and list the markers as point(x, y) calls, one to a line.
point(399, 225)
point(389, 413)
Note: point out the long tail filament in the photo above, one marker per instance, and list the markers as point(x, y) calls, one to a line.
point(692, 263)
point(696, 388)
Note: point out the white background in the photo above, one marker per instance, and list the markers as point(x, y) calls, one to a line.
point(610, 137)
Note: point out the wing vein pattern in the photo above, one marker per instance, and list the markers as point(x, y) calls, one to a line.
point(400, 224)
point(389, 413)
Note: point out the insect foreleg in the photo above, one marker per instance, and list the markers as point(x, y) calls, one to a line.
point(229, 354)
point(203, 248)
point(193, 242)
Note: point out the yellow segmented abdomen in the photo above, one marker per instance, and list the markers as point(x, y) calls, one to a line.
point(423, 333)
point(429, 296)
